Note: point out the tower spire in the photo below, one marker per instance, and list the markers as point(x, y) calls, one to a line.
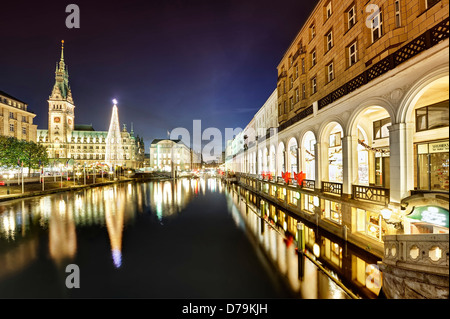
point(61, 62)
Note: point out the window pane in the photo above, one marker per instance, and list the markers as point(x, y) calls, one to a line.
point(439, 163)
point(421, 119)
point(438, 116)
point(422, 163)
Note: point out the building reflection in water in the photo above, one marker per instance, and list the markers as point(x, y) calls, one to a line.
point(112, 206)
point(276, 233)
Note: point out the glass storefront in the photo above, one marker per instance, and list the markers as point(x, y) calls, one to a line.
point(369, 224)
point(432, 166)
point(335, 168)
point(382, 169)
point(332, 211)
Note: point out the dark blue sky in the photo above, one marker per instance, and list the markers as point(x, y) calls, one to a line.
point(167, 62)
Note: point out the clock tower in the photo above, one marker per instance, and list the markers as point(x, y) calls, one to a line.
point(60, 111)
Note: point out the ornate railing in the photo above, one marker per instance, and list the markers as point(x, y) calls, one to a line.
point(332, 188)
point(371, 193)
point(301, 115)
point(421, 252)
point(423, 42)
point(309, 184)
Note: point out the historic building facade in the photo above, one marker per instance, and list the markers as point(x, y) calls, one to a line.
point(15, 119)
point(66, 140)
point(363, 116)
point(167, 155)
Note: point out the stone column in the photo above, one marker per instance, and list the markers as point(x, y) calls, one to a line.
point(401, 161)
point(349, 163)
point(320, 170)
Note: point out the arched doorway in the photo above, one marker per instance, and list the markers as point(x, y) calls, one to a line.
point(292, 158)
point(332, 144)
point(272, 160)
point(429, 115)
point(281, 165)
point(308, 156)
point(372, 161)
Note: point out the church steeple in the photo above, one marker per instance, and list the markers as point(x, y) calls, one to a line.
point(61, 110)
point(61, 89)
point(61, 61)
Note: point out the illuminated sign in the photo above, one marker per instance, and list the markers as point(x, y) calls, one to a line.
point(439, 147)
point(430, 214)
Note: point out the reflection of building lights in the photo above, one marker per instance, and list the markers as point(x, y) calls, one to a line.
point(78, 201)
point(62, 206)
point(117, 258)
point(316, 250)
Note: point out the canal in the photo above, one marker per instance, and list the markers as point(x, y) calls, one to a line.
point(196, 238)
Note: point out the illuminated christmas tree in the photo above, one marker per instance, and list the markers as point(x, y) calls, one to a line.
point(114, 149)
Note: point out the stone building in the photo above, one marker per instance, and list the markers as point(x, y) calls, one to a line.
point(167, 155)
point(363, 104)
point(66, 140)
point(15, 119)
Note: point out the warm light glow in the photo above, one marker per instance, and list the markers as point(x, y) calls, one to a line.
point(316, 250)
point(386, 213)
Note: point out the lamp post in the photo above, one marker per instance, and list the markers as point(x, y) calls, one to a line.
point(386, 213)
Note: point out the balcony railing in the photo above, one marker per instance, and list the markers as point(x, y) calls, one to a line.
point(332, 188)
point(371, 193)
point(309, 184)
point(423, 42)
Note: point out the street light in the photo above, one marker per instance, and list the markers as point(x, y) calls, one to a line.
point(386, 213)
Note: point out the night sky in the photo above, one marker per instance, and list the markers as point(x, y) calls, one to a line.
point(167, 62)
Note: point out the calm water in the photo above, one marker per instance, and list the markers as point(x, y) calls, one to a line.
point(183, 239)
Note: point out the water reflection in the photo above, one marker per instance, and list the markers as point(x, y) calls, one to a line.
point(112, 207)
point(276, 233)
point(68, 217)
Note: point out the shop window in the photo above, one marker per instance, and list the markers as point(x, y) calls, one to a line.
point(333, 212)
point(310, 203)
point(432, 116)
point(369, 224)
point(293, 197)
point(335, 168)
point(432, 166)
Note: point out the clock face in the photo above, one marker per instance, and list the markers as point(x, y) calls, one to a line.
point(69, 121)
point(57, 119)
